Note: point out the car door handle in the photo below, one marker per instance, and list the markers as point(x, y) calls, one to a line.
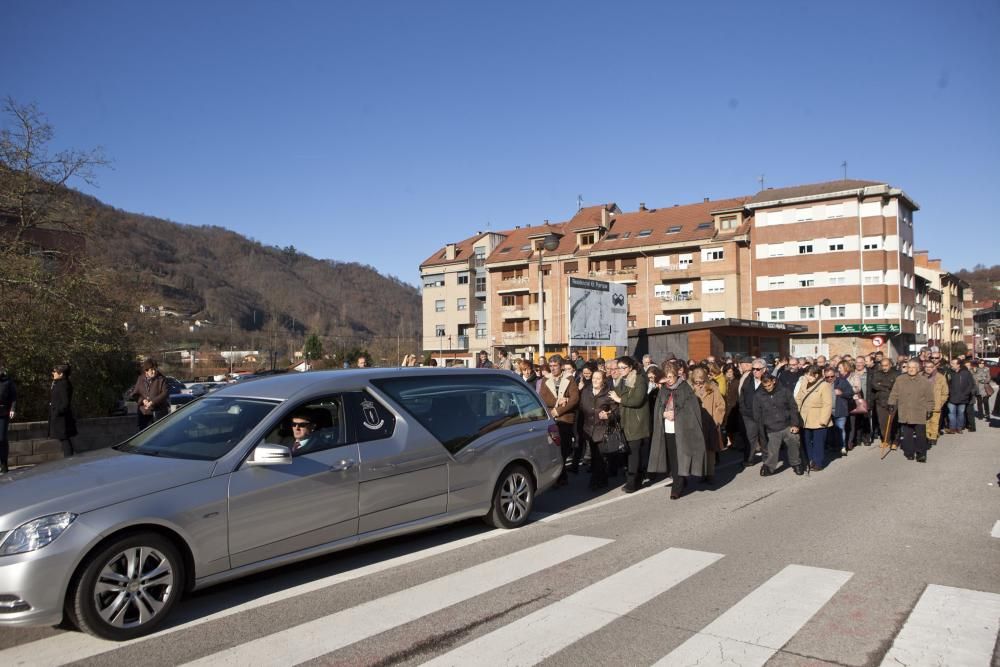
point(345, 464)
point(388, 466)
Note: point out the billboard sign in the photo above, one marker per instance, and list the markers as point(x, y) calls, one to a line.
point(597, 313)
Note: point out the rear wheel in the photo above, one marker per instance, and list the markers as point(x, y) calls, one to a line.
point(127, 589)
point(513, 498)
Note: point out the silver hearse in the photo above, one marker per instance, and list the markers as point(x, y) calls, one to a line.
point(224, 487)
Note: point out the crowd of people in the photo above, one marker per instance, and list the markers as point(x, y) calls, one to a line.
point(674, 418)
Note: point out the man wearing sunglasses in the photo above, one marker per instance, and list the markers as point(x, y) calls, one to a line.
point(749, 385)
point(302, 425)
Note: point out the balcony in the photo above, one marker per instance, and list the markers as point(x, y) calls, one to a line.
point(516, 338)
point(681, 301)
point(512, 285)
point(677, 271)
point(624, 275)
point(462, 343)
point(514, 312)
point(480, 316)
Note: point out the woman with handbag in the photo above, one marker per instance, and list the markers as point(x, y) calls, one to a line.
point(861, 427)
point(594, 413)
point(678, 442)
point(815, 401)
point(633, 415)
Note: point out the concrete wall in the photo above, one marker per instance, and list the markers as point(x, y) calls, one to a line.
point(30, 444)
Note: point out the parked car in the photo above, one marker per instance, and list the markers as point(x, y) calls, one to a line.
point(112, 539)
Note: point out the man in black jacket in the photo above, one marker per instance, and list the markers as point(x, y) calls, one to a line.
point(881, 385)
point(749, 384)
point(961, 386)
point(778, 419)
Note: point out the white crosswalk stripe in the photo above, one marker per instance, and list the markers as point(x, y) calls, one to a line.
point(755, 628)
point(948, 626)
point(533, 638)
point(324, 635)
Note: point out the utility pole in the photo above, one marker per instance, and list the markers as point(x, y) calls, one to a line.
point(761, 181)
point(844, 166)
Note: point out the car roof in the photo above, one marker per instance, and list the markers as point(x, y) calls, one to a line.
point(282, 387)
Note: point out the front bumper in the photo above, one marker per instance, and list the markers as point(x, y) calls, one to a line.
point(38, 579)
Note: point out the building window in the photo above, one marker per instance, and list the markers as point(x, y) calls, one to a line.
point(480, 331)
point(872, 310)
point(507, 300)
point(776, 283)
point(463, 279)
point(439, 306)
point(712, 255)
point(838, 311)
point(837, 279)
point(776, 250)
point(728, 222)
point(631, 322)
point(717, 286)
point(587, 239)
point(873, 277)
point(439, 330)
point(804, 213)
point(872, 243)
point(661, 320)
point(836, 246)
point(777, 314)
point(704, 225)
point(807, 312)
point(674, 229)
point(661, 291)
point(436, 280)
point(462, 304)
point(805, 248)
point(684, 261)
point(711, 315)
point(644, 233)
point(480, 283)
point(807, 282)
point(685, 319)
point(571, 267)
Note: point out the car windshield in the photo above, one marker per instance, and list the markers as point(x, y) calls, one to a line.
point(204, 430)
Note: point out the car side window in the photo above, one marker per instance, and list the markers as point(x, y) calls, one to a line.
point(371, 419)
point(328, 430)
point(457, 409)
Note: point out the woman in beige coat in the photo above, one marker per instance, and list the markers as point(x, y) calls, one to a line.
point(815, 401)
point(713, 412)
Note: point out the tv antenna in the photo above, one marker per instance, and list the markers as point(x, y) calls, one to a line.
point(844, 166)
point(760, 180)
point(579, 202)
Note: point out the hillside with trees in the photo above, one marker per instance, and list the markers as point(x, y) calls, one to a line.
point(984, 281)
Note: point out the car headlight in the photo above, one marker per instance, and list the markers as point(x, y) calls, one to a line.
point(35, 534)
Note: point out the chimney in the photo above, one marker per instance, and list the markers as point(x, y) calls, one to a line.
point(449, 251)
point(546, 221)
point(604, 217)
point(705, 200)
point(642, 206)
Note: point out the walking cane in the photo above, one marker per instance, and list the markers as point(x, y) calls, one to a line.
point(887, 446)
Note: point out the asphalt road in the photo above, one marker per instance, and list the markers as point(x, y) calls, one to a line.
point(868, 562)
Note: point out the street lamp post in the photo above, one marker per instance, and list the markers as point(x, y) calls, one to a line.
point(825, 303)
point(550, 243)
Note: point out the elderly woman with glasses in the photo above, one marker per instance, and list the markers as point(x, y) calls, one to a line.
point(678, 444)
point(630, 395)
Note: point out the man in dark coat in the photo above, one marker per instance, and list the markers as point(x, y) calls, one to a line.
point(788, 374)
point(881, 385)
point(8, 398)
point(151, 393)
point(777, 416)
point(749, 384)
point(961, 387)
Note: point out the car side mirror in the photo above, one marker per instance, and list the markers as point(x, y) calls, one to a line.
point(266, 454)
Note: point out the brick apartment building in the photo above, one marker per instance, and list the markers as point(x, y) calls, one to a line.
point(775, 257)
point(952, 290)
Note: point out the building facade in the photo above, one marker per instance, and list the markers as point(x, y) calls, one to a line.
point(951, 289)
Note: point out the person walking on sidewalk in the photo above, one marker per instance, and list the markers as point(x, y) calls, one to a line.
point(815, 403)
point(62, 423)
point(881, 384)
point(982, 376)
point(912, 399)
point(151, 393)
point(632, 396)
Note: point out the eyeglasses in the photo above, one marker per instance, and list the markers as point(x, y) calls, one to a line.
point(622, 367)
point(757, 369)
point(699, 382)
point(301, 424)
point(937, 357)
point(829, 377)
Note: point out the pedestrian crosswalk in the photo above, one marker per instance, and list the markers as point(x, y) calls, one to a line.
point(946, 625)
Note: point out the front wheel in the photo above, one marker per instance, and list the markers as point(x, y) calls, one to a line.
point(513, 498)
point(127, 589)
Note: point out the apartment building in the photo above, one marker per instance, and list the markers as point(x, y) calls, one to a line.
point(836, 255)
point(952, 293)
point(968, 313)
point(455, 299)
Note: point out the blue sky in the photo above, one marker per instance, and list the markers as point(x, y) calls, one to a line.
point(378, 132)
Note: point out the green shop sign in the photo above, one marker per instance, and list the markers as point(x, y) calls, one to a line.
point(866, 328)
